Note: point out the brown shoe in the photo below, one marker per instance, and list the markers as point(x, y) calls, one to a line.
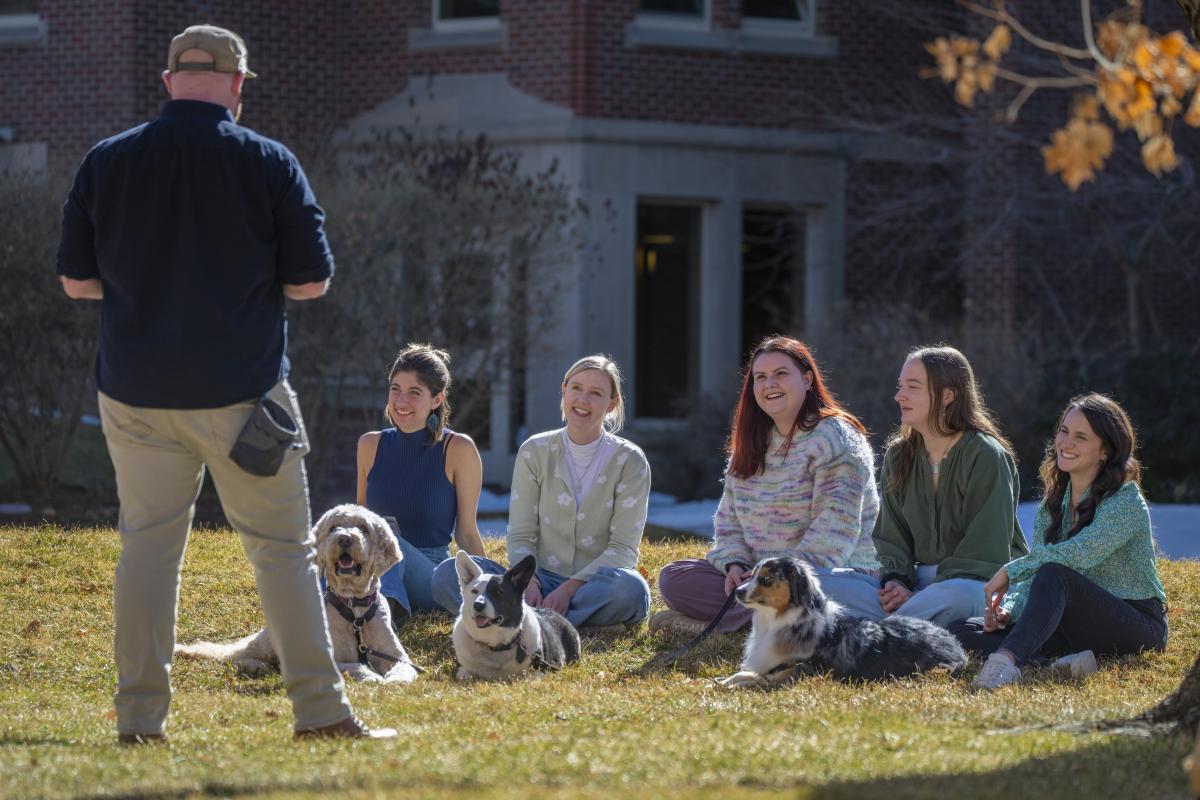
point(142, 738)
point(349, 728)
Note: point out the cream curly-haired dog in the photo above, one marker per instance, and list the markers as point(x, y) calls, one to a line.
point(354, 548)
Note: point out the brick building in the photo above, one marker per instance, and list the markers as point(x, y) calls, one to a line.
point(702, 124)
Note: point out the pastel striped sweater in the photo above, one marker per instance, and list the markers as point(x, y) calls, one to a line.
point(817, 502)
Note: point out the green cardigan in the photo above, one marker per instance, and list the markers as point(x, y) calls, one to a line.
point(570, 538)
point(1115, 551)
point(967, 527)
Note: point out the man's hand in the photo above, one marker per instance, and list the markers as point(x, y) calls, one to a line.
point(90, 289)
point(305, 291)
point(893, 595)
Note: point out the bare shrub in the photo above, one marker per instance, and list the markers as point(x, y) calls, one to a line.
point(445, 240)
point(47, 341)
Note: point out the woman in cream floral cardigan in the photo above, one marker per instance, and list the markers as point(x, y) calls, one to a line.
point(578, 503)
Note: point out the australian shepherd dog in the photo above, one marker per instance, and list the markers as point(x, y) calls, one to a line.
point(797, 630)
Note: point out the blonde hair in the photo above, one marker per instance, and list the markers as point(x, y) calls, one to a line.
point(615, 419)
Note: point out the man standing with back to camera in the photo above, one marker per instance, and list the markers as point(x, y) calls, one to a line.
point(191, 230)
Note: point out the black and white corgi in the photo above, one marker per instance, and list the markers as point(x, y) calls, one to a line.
point(797, 630)
point(497, 634)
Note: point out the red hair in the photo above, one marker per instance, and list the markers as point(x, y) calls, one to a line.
point(750, 432)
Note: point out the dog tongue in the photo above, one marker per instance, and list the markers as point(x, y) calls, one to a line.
point(482, 621)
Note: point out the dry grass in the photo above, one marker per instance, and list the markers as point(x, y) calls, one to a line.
point(593, 730)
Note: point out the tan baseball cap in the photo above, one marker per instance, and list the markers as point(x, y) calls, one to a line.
point(226, 47)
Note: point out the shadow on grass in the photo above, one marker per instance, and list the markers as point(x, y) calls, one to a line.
point(1111, 767)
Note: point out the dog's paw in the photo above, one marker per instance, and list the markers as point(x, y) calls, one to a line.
point(403, 672)
point(253, 667)
point(742, 680)
point(463, 675)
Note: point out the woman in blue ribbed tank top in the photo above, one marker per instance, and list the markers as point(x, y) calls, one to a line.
point(422, 476)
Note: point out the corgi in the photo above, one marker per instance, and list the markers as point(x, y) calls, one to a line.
point(497, 635)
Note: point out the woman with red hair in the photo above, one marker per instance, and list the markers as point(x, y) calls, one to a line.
point(800, 482)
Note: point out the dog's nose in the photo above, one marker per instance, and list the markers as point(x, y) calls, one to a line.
point(740, 593)
point(480, 604)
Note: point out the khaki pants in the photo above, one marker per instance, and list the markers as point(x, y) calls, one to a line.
point(160, 456)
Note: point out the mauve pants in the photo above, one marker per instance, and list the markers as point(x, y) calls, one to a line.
point(694, 587)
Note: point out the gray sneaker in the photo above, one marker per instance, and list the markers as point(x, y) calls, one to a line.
point(1077, 664)
point(997, 671)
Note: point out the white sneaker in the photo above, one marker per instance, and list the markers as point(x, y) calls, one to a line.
point(998, 670)
point(1077, 664)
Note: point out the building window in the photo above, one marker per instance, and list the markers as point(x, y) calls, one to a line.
point(779, 16)
point(20, 22)
point(667, 262)
point(690, 14)
point(465, 14)
point(772, 274)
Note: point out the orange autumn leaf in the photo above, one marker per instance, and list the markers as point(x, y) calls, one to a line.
point(947, 62)
point(1087, 107)
point(998, 42)
point(1192, 117)
point(1173, 44)
point(1158, 154)
point(1077, 151)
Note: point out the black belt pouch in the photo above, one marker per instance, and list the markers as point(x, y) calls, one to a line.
point(268, 434)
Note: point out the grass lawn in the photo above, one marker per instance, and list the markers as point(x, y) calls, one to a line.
point(590, 731)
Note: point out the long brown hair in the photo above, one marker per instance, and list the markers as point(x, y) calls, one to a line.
point(750, 432)
point(945, 368)
point(430, 366)
point(1111, 424)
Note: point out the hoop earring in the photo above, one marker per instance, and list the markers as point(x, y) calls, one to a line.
point(433, 422)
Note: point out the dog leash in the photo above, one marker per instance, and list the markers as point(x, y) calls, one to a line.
point(666, 659)
point(535, 660)
point(346, 612)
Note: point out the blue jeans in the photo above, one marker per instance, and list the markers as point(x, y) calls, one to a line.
point(612, 596)
point(1065, 613)
point(410, 581)
point(942, 603)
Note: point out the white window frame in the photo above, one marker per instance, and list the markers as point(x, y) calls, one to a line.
point(679, 22)
point(805, 26)
point(469, 24)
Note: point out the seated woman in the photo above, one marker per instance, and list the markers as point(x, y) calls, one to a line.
point(578, 503)
point(1090, 584)
point(800, 482)
point(422, 475)
point(950, 489)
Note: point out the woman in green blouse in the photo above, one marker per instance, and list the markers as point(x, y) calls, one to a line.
point(947, 519)
point(1091, 584)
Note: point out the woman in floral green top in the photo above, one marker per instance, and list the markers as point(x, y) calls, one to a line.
point(1090, 585)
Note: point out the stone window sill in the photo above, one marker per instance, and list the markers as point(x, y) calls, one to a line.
point(491, 37)
point(17, 29)
point(756, 42)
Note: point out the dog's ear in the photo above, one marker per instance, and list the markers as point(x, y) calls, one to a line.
point(328, 521)
point(803, 586)
point(466, 568)
point(521, 573)
point(385, 550)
